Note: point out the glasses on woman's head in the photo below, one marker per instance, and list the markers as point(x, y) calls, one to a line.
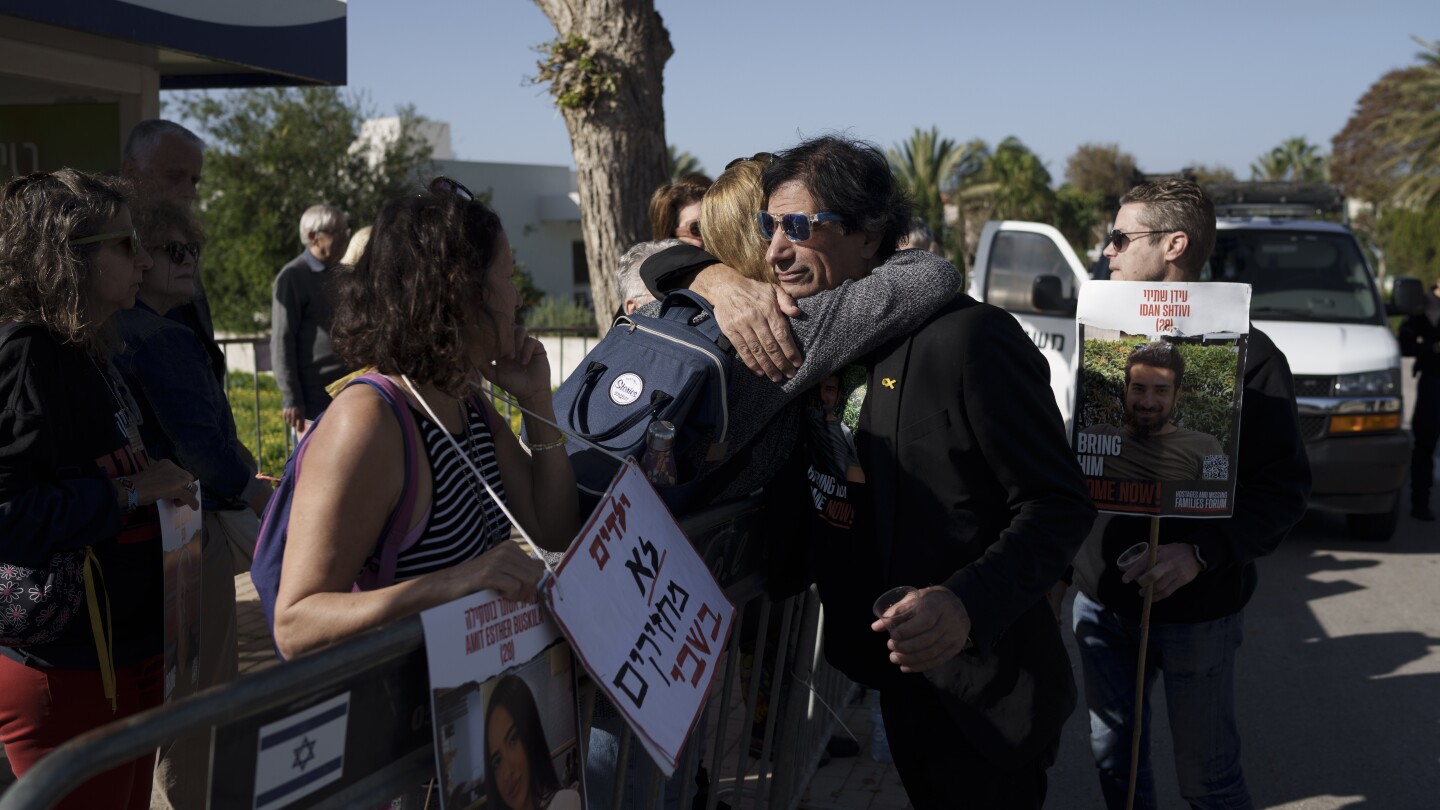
point(765, 156)
point(1121, 239)
point(444, 185)
point(132, 235)
point(796, 227)
point(177, 250)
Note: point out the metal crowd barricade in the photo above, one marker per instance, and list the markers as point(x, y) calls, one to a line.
point(260, 362)
point(260, 347)
point(389, 750)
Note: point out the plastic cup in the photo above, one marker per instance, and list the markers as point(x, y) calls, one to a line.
point(1132, 554)
point(890, 599)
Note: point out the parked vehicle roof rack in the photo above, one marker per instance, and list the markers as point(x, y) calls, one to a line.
point(1278, 200)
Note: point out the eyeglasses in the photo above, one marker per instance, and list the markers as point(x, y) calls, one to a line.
point(1121, 239)
point(177, 250)
point(795, 226)
point(444, 185)
point(693, 229)
point(133, 235)
point(764, 156)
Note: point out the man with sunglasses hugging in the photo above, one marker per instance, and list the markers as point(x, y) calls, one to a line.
point(1205, 570)
point(966, 490)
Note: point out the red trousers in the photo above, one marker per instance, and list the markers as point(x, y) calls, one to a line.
point(42, 708)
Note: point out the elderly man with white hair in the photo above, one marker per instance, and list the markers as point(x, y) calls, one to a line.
point(628, 282)
point(300, 349)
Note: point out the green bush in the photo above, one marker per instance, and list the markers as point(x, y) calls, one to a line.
point(1206, 399)
point(271, 450)
point(553, 313)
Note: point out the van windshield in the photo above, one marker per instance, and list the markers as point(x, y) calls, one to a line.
point(1297, 275)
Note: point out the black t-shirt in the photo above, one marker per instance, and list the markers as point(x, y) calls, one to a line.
point(840, 526)
point(61, 440)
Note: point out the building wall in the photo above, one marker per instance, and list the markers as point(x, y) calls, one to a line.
point(42, 65)
point(539, 209)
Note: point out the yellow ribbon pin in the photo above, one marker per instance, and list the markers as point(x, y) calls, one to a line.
point(888, 382)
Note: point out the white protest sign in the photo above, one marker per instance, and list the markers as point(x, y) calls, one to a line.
point(486, 654)
point(1177, 309)
point(1157, 412)
point(644, 614)
point(301, 754)
point(478, 636)
point(180, 531)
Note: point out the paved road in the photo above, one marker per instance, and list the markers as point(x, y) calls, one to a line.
point(1339, 680)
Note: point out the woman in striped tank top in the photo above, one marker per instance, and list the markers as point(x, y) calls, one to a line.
point(429, 304)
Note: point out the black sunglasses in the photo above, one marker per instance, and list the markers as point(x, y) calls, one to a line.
point(444, 185)
point(693, 229)
point(177, 250)
point(1121, 239)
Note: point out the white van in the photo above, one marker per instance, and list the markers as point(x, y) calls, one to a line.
point(1313, 293)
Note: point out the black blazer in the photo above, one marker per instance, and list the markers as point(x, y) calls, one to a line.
point(975, 487)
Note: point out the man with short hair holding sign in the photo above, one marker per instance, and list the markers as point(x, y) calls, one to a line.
point(1204, 573)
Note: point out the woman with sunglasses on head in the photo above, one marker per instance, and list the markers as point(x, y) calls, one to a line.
point(77, 489)
point(187, 419)
point(429, 305)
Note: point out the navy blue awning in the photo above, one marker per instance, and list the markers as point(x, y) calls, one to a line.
point(232, 43)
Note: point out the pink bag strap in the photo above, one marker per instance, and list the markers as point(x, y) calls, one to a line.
point(381, 569)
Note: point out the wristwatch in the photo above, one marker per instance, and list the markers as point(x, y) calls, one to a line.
point(132, 495)
point(1198, 558)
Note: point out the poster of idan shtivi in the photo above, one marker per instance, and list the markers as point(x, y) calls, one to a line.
point(644, 614)
point(1157, 412)
point(180, 532)
point(502, 695)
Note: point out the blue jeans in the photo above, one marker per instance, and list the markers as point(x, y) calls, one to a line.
point(1198, 661)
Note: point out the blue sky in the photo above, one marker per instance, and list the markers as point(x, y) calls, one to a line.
point(1173, 83)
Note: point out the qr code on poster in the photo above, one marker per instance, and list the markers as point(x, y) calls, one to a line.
point(1216, 468)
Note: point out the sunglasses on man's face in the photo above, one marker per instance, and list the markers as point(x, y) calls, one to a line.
point(1121, 239)
point(132, 235)
point(177, 250)
point(796, 227)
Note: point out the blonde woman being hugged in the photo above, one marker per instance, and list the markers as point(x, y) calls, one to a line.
point(429, 304)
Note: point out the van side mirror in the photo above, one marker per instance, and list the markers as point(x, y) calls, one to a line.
point(1407, 296)
point(1048, 294)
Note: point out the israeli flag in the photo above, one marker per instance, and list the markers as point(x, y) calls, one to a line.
point(301, 753)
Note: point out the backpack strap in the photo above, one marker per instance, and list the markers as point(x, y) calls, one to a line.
point(381, 571)
point(684, 306)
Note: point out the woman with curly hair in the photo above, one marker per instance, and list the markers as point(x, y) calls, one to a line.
point(77, 489)
point(429, 304)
